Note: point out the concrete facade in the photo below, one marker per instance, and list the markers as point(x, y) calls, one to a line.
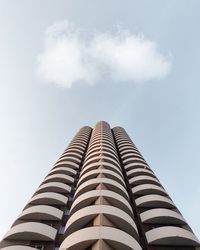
point(100, 195)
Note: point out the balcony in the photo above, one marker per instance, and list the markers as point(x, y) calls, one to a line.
point(54, 187)
point(106, 172)
point(132, 165)
point(171, 236)
point(154, 200)
point(148, 189)
point(115, 215)
point(139, 171)
point(67, 164)
point(41, 212)
point(31, 231)
point(106, 165)
point(59, 177)
point(162, 216)
point(91, 196)
point(143, 179)
point(18, 247)
point(48, 198)
point(134, 160)
point(109, 183)
point(69, 158)
point(95, 159)
point(63, 170)
point(84, 238)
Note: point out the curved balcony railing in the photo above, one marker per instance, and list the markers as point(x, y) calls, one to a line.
point(115, 215)
point(90, 197)
point(139, 171)
point(110, 184)
point(31, 231)
point(59, 177)
point(143, 179)
point(145, 189)
point(106, 165)
point(67, 164)
point(171, 236)
point(101, 171)
point(57, 187)
point(63, 170)
point(41, 212)
point(154, 200)
point(18, 247)
point(162, 216)
point(135, 165)
point(84, 238)
point(49, 198)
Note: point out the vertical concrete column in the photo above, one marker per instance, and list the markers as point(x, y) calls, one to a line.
point(41, 223)
point(101, 216)
point(160, 223)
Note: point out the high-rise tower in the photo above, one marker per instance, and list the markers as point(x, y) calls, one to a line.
point(100, 194)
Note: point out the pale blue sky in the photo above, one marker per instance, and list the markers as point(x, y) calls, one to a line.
point(38, 119)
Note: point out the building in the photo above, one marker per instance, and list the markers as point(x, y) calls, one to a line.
point(100, 194)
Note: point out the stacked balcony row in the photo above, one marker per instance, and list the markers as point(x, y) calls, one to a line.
point(43, 218)
point(161, 221)
point(101, 216)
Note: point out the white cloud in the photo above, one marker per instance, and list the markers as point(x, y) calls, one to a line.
point(69, 57)
point(64, 60)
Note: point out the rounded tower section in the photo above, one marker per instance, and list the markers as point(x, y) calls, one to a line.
point(41, 223)
point(101, 216)
point(161, 225)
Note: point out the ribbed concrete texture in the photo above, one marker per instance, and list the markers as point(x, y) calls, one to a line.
point(100, 195)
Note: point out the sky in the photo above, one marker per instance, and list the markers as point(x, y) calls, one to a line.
point(67, 64)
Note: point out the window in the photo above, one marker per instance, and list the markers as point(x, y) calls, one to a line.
point(61, 230)
point(66, 212)
point(40, 247)
point(70, 198)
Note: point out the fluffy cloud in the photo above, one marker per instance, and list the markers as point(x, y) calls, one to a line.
point(69, 57)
